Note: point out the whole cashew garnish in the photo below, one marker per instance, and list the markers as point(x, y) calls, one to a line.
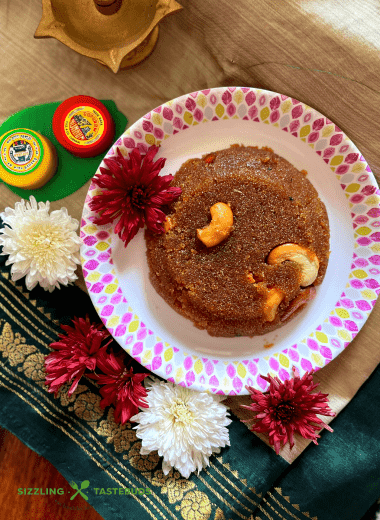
point(220, 226)
point(274, 298)
point(306, 259)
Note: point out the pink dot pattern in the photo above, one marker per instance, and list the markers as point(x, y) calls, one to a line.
point(342, 323)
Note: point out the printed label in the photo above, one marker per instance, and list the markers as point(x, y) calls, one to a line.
point(21, 153)
point(84, 125)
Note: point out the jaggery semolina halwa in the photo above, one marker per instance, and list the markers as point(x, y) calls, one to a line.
point(245, 243)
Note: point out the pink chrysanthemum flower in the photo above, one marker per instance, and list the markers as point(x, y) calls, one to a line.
point(76, 352)
point(133, 193)
point(288, 407)
point(122, 388)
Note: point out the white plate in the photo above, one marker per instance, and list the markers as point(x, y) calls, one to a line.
point(168, 344)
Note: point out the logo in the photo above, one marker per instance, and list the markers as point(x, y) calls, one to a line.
point(84, 125)
point(84, 485)
point(40, 491)
point(79, 491)
point(21, 153)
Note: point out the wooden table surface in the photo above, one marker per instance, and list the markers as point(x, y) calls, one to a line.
point(324, 53)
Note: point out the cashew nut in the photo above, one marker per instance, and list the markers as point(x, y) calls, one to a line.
point(305, 258)
point(274, 298)
point(220, 226)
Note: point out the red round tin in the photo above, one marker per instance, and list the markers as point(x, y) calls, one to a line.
point(83, 125)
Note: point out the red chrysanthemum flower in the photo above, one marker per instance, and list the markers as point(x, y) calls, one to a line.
point(76, 352)
point(288, 407)
point(122, 388)
point(133, 193)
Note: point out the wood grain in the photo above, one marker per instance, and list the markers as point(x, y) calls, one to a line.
point(21, 467)
point(325, 54)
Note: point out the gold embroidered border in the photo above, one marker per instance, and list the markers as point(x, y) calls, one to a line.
point(227, 491)
point(24, 317)
point(236, 475)
point(21, 325)
point(277, 512)
point(232, 484)
point(279, 491)
point(243, 494)
point(230, 506)
point(22, 304)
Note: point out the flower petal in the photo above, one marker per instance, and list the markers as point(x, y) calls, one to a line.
point(132, 193)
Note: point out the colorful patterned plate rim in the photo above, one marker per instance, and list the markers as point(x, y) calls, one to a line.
point(168, 344)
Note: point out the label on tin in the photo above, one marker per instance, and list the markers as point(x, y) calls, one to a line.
point(21, 152)
point(84, 125)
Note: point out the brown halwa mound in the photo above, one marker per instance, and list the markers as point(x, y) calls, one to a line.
point(272, 204)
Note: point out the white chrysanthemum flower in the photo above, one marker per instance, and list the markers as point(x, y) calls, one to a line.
point(42, 247)
point(185, 427)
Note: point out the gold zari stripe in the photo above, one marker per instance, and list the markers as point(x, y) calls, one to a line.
point(222, 499)
point(22, 326)
point(34, 314)
point(213, 466)
point(284, 508)
point(277, 512)
point(226, 491)
point(25, 318)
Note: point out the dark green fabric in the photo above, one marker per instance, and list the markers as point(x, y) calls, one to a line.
point(334, 480)
point(72, 171)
